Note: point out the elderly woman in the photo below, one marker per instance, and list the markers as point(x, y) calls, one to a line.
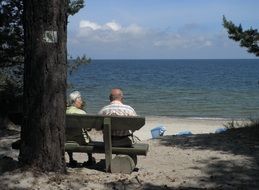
point(76, 105)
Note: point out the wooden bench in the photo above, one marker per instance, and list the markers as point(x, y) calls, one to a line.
point(75, 123)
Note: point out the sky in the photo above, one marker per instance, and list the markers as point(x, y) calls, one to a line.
point(159, 29)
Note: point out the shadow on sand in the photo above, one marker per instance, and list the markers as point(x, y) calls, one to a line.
point(136, 185)
point(7, 163)
point(220, 173)
point(239, 141)
point(225, 174)
point(99, 166)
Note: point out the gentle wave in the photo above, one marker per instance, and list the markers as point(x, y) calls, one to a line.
point(174, 88)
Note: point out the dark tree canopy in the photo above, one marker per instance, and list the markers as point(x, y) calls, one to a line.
point(74, 6)
point(11, 33)
point(247, 38)
point(11, 30)
point(12, 46)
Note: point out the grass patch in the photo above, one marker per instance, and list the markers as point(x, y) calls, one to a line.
point(237, 124)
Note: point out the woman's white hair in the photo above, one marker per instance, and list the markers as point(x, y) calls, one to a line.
point(73, 96)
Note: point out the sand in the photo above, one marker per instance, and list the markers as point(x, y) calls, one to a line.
point(227, 160)
point(175, 125)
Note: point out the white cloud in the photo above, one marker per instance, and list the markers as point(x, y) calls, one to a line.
point(113, 32)
point(88, 24)
point(108, 32)
point(176, 41)
point(113, 26)
point(134, 29)
point(114, 40)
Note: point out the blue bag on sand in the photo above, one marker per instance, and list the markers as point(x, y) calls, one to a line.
point(158, 131)
point(184, 133)
point(220, 130)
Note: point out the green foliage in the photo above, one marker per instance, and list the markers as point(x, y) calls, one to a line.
point(232, 124)
point(10, 93)
point(254, 123)
point(237, 124)
point(247, 38)
point(11, 33)
point(11, 30)
point(73, 65)
point(11, 51)
point(74, 6)
point(12, 48)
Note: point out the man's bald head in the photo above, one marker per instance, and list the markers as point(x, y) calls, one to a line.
point(116, 94)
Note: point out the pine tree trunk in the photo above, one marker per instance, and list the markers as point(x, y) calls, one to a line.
point(42, 135)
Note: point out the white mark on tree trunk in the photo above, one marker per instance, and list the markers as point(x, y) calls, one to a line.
point(50, 37)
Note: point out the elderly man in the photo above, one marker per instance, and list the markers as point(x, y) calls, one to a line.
point(76, 105)
point(117, 108)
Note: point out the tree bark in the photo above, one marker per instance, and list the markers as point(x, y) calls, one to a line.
point(43, 133)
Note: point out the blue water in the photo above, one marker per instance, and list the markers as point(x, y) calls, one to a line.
point(177, 88)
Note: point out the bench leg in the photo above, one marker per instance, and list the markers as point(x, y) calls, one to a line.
point(107, 143)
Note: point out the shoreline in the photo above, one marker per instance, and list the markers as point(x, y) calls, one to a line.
point(197, 117)
point(174, 125)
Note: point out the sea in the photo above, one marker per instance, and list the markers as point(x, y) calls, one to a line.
point(225, 88)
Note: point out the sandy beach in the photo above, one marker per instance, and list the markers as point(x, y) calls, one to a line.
point(175, 125)
point(204, 160)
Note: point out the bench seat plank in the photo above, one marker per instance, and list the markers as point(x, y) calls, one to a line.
point(98, 147)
